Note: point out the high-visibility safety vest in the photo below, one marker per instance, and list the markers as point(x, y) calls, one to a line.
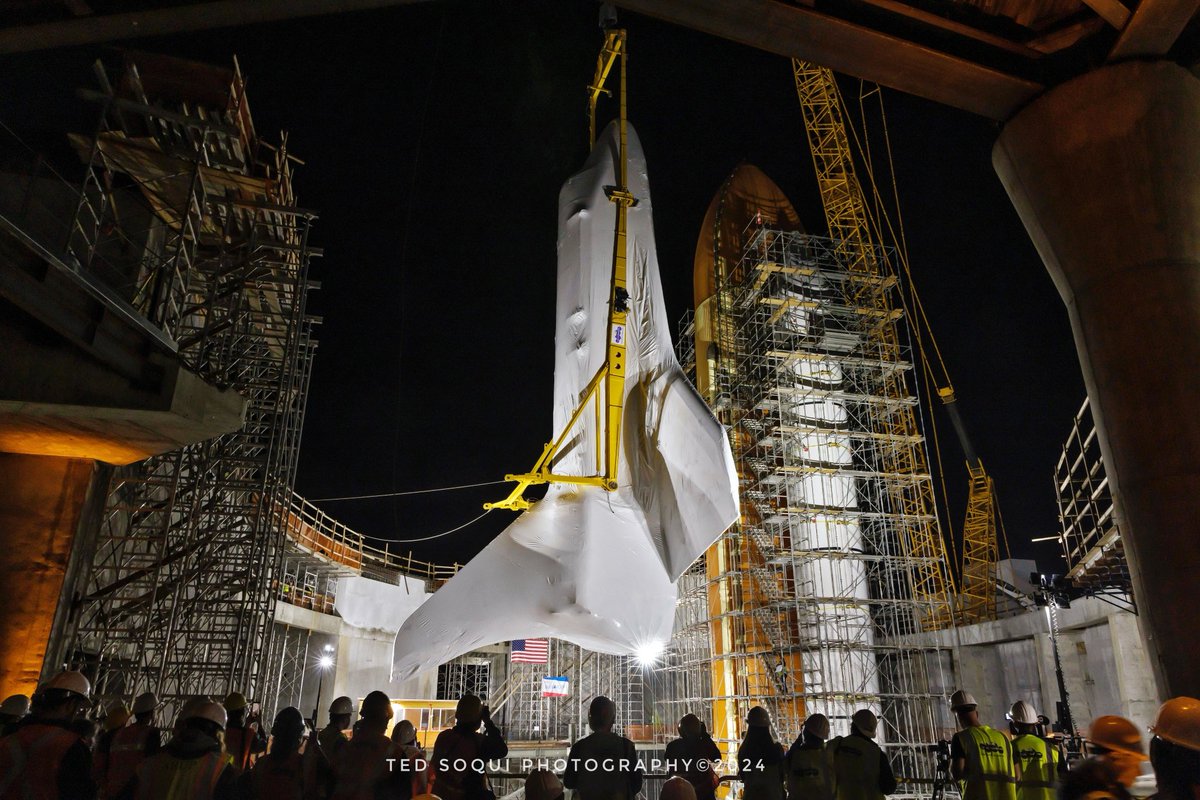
point(165, 777)
point(238, 742)
point(1037, 764)
point(30, 760)
point(989, 774)
point(810, 774)
point(125, 754)
point(855, 768)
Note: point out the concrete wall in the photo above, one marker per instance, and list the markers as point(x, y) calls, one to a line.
point(1104, 664)
point(363, 638)
point(42, 500)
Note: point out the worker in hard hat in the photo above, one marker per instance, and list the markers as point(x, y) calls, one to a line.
point(285, 772)
point(542, 784)
point(1175, 749)
point(333, 736)
point(603, 765)
point(465, 742)
point(411, 755)
point(361, 770)
point(861, 770)
point(981, 758)
point(115, 717)
point(1114, 764)
point(809, 764)
point(694, 757)
point(244, 736)
point(12, 711)
point(131, 745)
point(760, 759)
point(45, 755)
point(1036, 759)
point(193, 764)
point(675, 788)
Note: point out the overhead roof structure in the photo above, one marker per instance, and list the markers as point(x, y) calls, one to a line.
point(990, 57)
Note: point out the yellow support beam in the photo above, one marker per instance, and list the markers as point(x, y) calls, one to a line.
point(609, 405)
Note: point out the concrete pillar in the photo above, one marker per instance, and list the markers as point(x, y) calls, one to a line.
point(42, 500)
point(1105, 173)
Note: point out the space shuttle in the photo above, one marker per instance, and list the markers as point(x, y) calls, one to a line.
point(596, 564)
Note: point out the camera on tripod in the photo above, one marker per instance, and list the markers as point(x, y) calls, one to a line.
point(942, 776)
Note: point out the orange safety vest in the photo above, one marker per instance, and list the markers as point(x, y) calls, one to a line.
point(238, 742)
point(30, 760)
point(165, 777)
point(126, 752)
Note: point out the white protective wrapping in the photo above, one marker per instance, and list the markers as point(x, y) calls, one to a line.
point(593, 567)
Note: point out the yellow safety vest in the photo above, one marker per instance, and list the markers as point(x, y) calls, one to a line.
point(856, 768)
point(810, 774)
point(1036, 767)
point(165, 777)
point(989, 774)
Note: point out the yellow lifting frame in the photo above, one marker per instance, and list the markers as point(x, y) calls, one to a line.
point(611, 374)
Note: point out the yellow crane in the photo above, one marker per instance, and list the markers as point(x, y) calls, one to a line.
point(853, 227)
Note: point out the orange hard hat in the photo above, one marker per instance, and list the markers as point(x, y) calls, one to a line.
point(1115, 733)
point(1178, 722)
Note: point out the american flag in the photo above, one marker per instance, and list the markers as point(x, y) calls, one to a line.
point(530, 651)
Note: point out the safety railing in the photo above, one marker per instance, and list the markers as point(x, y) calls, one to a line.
point(335, 542)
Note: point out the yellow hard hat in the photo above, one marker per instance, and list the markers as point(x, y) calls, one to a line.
point(1115, 733)
point(116, 715)
point(70, 681)
point(376, 705)
point(235, 701)
point(1178, 722)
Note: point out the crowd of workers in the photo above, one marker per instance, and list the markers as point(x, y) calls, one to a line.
point(51, 750)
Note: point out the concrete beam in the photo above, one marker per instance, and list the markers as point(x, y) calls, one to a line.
point(799, 32)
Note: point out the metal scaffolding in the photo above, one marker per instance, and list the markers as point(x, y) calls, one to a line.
point(811, 601)
point(1091, 538)
point(193, 217)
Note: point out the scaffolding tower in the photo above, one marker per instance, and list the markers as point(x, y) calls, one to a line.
point(193, 217)
point(815, 599)
point(1090, 537)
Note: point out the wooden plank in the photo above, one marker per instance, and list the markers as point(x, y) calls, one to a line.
point(1153, 29)
point(1113, 12)
point(798, 32)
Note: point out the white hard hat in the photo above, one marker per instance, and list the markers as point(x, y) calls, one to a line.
point(145, 702)
point(70, 681)
point(962, 699)
point(342, 705)
point(211, 711)
point(865, 721)
point(16, 705)
point(1023, 713)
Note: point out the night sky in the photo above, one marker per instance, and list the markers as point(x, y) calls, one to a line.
point(436, 137)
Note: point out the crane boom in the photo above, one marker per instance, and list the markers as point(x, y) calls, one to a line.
point(849, 224)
